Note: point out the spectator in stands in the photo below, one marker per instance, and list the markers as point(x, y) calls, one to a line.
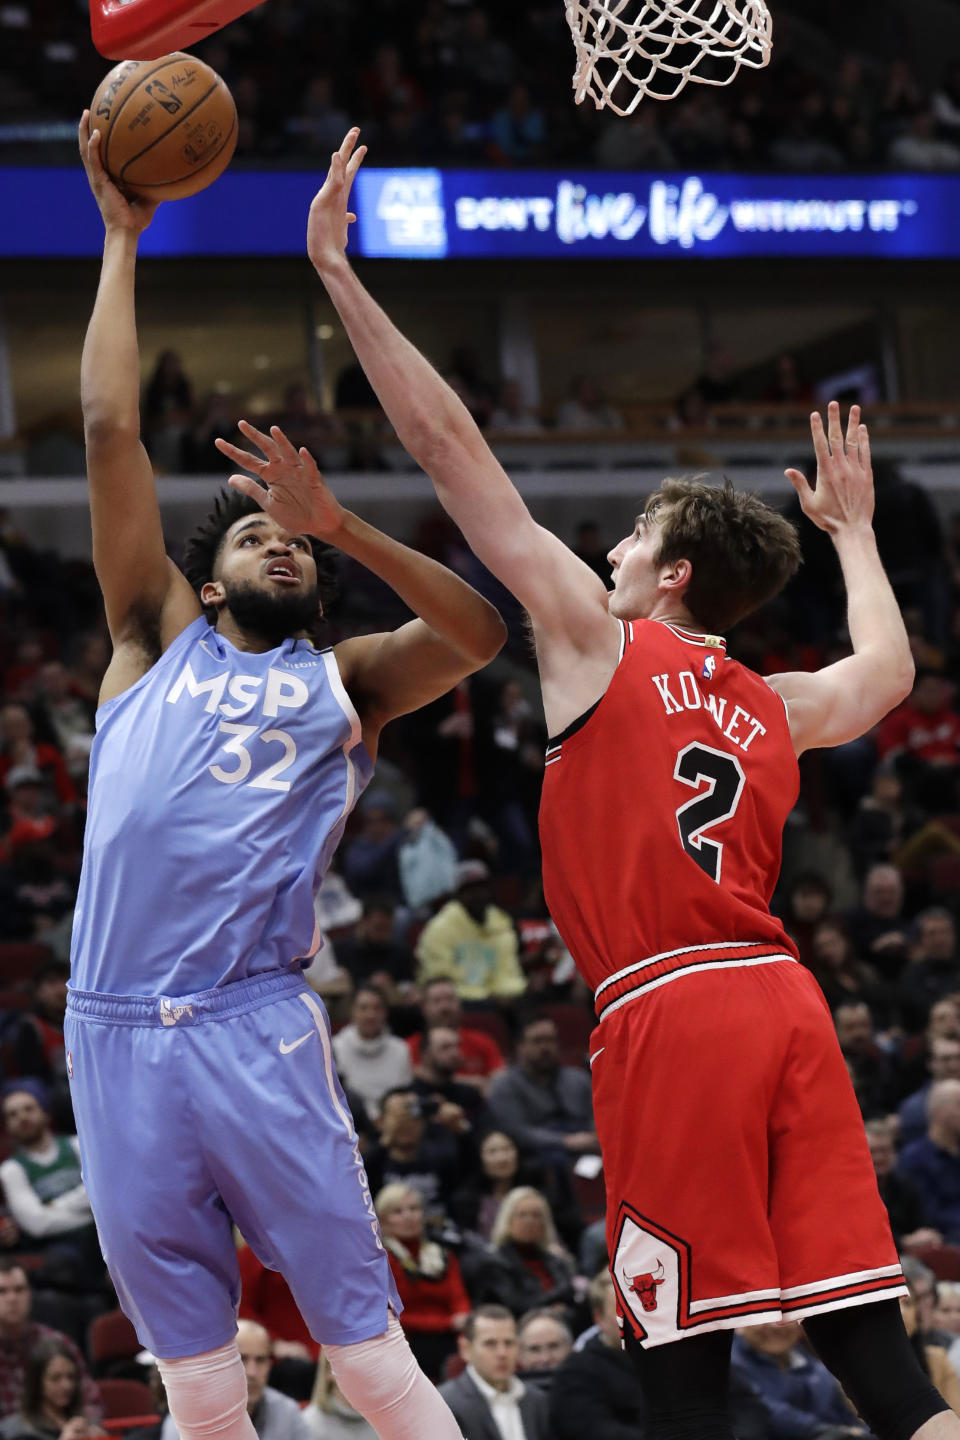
point(933, 1356)
point(923, 737)
point(58, 710)
point(845, 979)
point(933, 970)
point(884, 820)
point(943, 1063)
point(36, 1045)
point(435, 1080)
point(369, 1058)
point(427, 860)
point(319, 124)
point(526, 1267)
point(920, 148)
point(870, 1069)
point(480, 1056)
point(518, 128)
point(800, 1394)
point(414, 1148)
point(922, 1284)
point(878, 926)
point(586, 408)
point(372, 955)
point(900, 1195)
point(472, 941)
point(717, 384)
point(302, 422)
point(274, 1416)
point(167, 411)
point(427, 1275)
point(330, 1416)
point(546, 1105)
point(634, 143)
point(933, 1162)
point(19, 749)
point(89, 668)
point(808, 902)
point(946, 103)
point(489, 1398)
point(19, 1337)
point(596, 1392)
point(266, 1298)
point(946, 1317)
point(503, 1168)
point(544, 1342)
point(512, 412)
point(51, 1405)
point(216, 415)
point(787, 386)
point(43, 1185)
point(369, 861)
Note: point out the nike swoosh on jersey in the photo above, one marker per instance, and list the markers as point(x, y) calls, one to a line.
point(285, 1049)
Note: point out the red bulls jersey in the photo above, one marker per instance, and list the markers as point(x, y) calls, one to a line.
point(662, 816)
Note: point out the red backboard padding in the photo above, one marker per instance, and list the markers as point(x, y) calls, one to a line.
point(146, 29)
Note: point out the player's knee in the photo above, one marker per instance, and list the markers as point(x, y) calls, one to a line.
point(375, 1373)
point(207, 1395)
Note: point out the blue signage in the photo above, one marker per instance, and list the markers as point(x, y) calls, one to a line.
point(523, 214)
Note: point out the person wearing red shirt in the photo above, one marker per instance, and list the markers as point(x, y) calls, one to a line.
point(440, 1006)
point(923, 737)
point(18, 747)
point(435, 1300)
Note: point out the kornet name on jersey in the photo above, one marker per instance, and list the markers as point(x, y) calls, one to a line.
point(220, 784)
point(662, 814)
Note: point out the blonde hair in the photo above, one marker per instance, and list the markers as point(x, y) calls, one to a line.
point(500, 1233)
point(392, 1195)
point(947, 1290)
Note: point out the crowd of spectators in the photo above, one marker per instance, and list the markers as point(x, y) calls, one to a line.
point(451, 83)
point(461, 1027)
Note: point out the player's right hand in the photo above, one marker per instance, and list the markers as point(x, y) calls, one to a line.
point(844, 494)
point(329, 219)
point(119, 212)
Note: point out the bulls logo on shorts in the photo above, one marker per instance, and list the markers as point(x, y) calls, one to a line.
point(649, 1269)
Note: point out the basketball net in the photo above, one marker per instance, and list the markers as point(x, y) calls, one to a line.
point(147, 29)
point(627, 49)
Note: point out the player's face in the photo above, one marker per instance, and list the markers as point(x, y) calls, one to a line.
point(493, 1350)
point(266, 577)
point(635, 572)
point(14, 1298)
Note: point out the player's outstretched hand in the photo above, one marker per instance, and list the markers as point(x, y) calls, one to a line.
point(119, 212)
point(290, 487)
point(329, 218)
point(844, 493)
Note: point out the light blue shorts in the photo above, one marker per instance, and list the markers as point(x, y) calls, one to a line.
point(198, 1112)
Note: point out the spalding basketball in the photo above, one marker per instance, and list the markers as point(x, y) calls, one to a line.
point(169, 126)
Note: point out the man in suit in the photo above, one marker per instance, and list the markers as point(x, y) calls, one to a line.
point(488, 1400)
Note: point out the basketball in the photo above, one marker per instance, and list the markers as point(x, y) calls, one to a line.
point(169, 126)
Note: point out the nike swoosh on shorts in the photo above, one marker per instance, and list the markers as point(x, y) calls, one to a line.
point(285, 1048)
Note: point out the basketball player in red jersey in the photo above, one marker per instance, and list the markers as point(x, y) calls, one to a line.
point(739, 1184)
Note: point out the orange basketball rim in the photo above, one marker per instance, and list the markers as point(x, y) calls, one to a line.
point(147, 29)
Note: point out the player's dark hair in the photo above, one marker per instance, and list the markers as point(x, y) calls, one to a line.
point(484, 1312)
point(45, 1350)
point(202, 550)
point(741, 551)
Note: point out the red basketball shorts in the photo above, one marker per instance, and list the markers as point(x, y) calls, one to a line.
point(739, 1183)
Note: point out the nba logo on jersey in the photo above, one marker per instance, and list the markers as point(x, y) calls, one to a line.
point(709, 665)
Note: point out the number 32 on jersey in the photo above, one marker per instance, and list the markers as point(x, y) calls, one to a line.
point(718, 778)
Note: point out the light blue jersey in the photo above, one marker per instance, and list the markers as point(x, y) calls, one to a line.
point(220, 784)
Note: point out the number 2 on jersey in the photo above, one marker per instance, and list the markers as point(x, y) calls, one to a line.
point(721, 772)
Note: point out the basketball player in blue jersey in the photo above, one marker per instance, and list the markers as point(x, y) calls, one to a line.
point(229, 753)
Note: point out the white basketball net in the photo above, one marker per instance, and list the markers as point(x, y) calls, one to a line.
point(630, 48)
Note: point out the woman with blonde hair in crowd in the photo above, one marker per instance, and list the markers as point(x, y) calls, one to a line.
point(526, 1267)
point(946, 1316)
point(427, 1274)
point(331, 1417)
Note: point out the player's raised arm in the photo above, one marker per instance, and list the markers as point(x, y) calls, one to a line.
point(844, 700)
point(457, 631)
point(562, 594)
point(135, 575)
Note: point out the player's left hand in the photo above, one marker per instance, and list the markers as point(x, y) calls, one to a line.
point(329, 219)
point(290, 487)
point(844, 493)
